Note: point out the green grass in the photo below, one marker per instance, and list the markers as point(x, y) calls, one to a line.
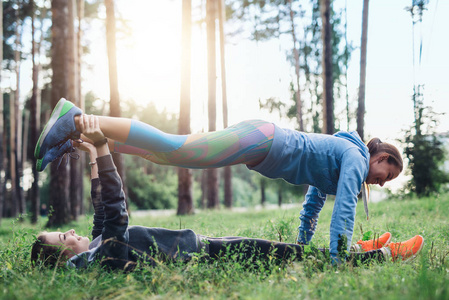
point(427, 277)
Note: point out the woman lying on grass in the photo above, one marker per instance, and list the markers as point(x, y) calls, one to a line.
point(119, 246)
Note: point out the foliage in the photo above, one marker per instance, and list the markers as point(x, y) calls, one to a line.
point(14, 14)
point(425, 151)
point(271, 19)
point(424, 278)
point(148, 191)
point(426, 156)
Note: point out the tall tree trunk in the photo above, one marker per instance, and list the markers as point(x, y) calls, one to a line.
point(279, 196)
point(35, 107)
point(364, 43)
point(35, 123)
point(297, 68)
point(79, 52)
point(185, 196)
point(114, 102)
point(203, 189)
point(212, 174)
point(112, 58)
point(25, 134)
point(59, 176)
point(79, 94)
point(262, 191)
point(227, 170)
point(13, 205)
point(2, 128)
point(17, 119)
point(328, 98)
point(76, 182)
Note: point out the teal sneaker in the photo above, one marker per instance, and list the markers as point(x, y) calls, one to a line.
point(60, 128)
point(55, 153)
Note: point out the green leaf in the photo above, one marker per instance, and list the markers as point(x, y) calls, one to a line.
point(367, 236)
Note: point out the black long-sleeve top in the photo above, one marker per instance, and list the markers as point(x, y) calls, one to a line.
point(119, 246)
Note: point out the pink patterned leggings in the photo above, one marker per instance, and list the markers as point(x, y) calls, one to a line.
point(247, 142)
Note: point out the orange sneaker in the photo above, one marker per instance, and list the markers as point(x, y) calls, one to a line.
point(374, 244)
point(406, 250)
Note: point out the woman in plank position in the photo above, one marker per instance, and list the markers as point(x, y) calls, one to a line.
point(337, 164)
point(117, 245)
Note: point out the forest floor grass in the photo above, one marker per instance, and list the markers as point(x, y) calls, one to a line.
point(427, 277)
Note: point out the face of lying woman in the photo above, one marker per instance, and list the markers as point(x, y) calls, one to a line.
point(69, 239)
point(381, 171)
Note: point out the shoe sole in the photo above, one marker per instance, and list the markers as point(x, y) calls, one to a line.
point(39, 165)
point(61, 108)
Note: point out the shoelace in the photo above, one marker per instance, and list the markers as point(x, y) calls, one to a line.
point(72, 153)
point(68, 137)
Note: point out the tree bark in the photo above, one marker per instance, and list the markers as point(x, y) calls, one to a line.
point(79, 94)
point(17, 120)
point(13, 205)
point(59, 176)
point(2, 130)
point(328, 98)
point(35, 121)
point(185, 195)
point(35, 112)
point(80, 15)
point(203, 189)
point(212, 174)
point(114, 102)
point(297, 69)
point(363, 50)
point(76, 182)
point(262, 192)
point(279, 196)
point(227, 170)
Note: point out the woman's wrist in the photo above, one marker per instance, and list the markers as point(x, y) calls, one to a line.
point(100, 142)
point(93, 154)
point(103, 150)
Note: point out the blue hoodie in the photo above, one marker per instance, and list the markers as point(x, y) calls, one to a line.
point(331, 164)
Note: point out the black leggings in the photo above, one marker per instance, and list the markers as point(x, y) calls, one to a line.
point(248, 248)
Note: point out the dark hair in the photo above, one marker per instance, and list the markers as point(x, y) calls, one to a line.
point(376, 146)
point(45, 253)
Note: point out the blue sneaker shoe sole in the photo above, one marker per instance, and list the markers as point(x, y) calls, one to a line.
point(59, 128)
point(53, 154)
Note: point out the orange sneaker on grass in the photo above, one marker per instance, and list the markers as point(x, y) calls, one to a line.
point(405, 250)
point(374, 244)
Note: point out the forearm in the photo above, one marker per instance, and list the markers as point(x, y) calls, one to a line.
point(113, 198)
point(93, 163)
point(309, 214)
point(97, 204)
point(343, 215)
point(95, 190)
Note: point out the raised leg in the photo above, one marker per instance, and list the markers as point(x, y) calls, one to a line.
point(247, 142)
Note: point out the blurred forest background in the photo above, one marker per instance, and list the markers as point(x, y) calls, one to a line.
point(51, 36)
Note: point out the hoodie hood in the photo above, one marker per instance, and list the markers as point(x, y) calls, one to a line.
point(354, 138)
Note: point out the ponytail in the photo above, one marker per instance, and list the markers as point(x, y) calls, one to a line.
point(376, 146)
